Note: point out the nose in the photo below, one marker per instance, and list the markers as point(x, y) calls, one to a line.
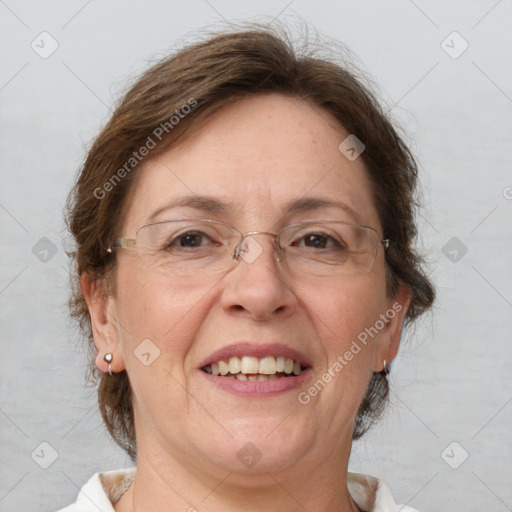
point(258, 287)
point(250, 245)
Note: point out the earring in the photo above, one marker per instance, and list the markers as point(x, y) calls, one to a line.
point(386, 369)
point(108, 359)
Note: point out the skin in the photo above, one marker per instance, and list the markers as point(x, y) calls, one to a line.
point(257, 154)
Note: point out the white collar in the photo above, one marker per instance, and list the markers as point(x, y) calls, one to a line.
point(105, 488)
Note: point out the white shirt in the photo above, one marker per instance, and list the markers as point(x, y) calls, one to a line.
point(104, 489)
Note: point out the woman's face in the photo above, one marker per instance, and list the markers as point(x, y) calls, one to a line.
point(257, 157)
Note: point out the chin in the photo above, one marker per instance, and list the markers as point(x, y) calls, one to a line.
point(260, 446)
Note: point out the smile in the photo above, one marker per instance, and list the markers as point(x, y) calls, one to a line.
point(249, 368)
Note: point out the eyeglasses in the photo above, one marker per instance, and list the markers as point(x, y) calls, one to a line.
point(186, 247)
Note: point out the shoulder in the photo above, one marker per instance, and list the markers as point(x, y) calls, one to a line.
point(102, 490)
point(373, 495)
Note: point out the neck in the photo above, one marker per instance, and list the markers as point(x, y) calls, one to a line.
point(319, 486)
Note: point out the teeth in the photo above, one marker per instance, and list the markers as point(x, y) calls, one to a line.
point(268, 366)
point(249, 365)
point(223, 368)
point(288, 366)
point(234, 365)
point(254, 369)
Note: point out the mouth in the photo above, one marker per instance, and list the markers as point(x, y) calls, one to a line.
point(249, 368)
point(255, 369)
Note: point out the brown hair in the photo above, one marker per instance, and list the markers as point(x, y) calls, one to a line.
point(206, 76)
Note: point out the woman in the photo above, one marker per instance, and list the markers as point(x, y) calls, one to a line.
point(244, 268)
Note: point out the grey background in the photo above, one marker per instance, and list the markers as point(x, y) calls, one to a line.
point(451, 382)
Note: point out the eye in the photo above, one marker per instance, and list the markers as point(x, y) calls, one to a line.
point(191, 240)
point(318, 240)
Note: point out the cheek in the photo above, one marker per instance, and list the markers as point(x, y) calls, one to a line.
point(164, 310)
point(344, 312)
point(169, 314)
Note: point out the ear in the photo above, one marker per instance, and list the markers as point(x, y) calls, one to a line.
point(102, 310)
point(389, 339)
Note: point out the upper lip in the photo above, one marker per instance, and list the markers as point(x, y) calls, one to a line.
point(258, 350)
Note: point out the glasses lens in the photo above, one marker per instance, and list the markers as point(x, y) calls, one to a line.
point(329, 248)
point(187, 247)
point(199, 247)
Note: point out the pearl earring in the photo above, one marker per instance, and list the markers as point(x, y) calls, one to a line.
point(108, 359)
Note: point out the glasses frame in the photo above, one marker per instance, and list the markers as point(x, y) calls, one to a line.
point(128, 243)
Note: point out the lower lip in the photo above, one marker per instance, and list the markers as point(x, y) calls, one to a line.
point(257, 389)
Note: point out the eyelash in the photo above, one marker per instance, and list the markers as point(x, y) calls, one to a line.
point(176, 240)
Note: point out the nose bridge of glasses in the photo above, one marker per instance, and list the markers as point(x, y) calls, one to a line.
point(249, 248)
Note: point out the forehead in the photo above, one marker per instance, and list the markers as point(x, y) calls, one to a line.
point(256, 156)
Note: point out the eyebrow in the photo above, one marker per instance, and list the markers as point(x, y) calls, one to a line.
point(307, 204)
point(209, 204)
point(203, 203)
